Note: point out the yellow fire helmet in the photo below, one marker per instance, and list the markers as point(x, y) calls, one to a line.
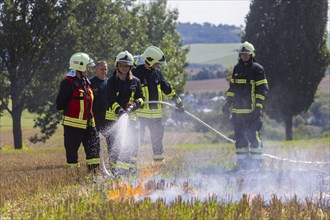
point(153, 55)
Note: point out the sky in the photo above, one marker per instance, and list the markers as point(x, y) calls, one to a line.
point(230, 12)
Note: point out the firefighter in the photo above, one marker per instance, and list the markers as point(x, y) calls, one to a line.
point(245, 101)
point(75, 101)
point(99, 86)
point(124, 95)
point(153, 85)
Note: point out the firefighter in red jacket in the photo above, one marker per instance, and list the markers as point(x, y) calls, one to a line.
point(124, 95)
point(153, 86)
point(75, 101)
point(245, 100)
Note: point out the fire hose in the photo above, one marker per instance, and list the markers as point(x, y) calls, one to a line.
point(194, 117)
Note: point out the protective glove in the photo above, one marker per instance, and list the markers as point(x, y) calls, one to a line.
point(178, 103)
point(120, 112)
point(180, 107)
point(226, 109)
point(138, 103)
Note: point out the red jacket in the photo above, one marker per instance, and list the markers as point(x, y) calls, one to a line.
point(75, 99)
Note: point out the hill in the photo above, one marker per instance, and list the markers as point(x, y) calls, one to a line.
point(210, 54)
point(209, 33)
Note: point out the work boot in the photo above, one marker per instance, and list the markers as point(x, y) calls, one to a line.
point(93, 168)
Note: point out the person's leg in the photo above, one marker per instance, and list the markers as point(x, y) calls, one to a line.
point(72, 141)
point(156, 128)
point(253, 135)
point(91, 143)
point(241, 144)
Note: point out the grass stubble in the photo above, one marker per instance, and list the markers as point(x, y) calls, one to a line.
point(35, 184)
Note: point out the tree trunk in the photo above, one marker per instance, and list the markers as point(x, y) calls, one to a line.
point(17, 128)
point(288, 128)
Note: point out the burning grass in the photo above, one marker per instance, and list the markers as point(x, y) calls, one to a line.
point(193, 184)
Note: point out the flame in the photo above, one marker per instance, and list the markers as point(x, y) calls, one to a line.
point(124, 191)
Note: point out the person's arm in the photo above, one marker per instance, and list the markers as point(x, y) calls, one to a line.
point(64, 96)
point(138, 96)
point(112, 96)
point(261, 89)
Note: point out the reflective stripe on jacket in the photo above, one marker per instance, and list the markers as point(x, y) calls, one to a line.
point(120, 93)
point(153, 86)
point(78, 112)
point(248, 87)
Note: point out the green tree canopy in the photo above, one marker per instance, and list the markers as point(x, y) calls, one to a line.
point(290, 40)
point(37, 39)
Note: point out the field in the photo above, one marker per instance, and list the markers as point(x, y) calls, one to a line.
point(224, 54)
point(197, 182)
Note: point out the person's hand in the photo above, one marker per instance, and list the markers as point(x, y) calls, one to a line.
point(121, 111)
point(180, 107)
point(226, 109)
point(178, 103)
point(138, 103)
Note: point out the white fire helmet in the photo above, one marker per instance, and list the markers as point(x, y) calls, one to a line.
point(247, 47)
point(81, 61)
point(124, 57)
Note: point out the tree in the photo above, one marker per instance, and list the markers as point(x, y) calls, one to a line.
point(34, 46)
point(290, 40)
point(37, 39)
point(162, 32)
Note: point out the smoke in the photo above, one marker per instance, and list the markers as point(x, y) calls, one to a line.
point(230, 186)
point(198, 175)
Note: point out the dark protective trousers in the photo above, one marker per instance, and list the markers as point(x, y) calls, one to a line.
point(247, 132)
point(156, 129)
point(88, 137)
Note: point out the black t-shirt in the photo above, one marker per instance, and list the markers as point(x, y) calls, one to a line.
point(100, 98)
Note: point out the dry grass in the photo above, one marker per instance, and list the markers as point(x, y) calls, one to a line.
point(36, 185)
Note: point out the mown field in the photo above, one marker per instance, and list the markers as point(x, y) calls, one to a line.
point(224, 54)
point(195, 183)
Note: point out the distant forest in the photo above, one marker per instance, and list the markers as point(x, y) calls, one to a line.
point(192, 33)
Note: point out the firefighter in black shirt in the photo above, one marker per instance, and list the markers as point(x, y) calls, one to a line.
point(99, 86)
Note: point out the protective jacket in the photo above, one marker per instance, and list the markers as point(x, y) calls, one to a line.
point(153, 84)
point(120, 93)
point(248, 87)
point(75, 100)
